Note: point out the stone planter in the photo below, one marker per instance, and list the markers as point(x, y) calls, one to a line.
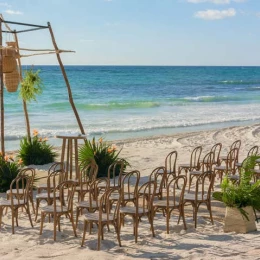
point(235, 222)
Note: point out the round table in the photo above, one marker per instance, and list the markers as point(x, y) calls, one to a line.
point(70, 143)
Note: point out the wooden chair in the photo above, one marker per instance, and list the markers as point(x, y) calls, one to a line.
point(252, 151)
point(18, 197)
point(235, 144)
point(143, 207)
point(61, 206)
point(194, 161)
point(229, 165)
point(54, 178)
point(87, 175)
point(206, 166)
point(173, 201)
point(170, 163)
point(30, 172)
point(57, 166)
point(158, 175)
point(115, 172)
point(129, 187)
point(201, 194)
point(92, 202)
point(104, 216)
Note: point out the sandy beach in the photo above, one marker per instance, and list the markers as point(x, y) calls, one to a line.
point(205, 242)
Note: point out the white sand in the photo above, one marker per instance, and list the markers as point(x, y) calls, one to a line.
point(206, 242)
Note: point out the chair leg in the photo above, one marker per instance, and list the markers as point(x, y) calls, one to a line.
point(54, 226)
point(167, 221)
point(31, 199)
point(37, 209)
point(13, 215)
point(73, 224)
point(210, 212)
point(136, 222)
point(29, 213)
point(183, 217)
point(150, 218)
point(42, 220)
point(1, 214)
point(117, 226)
point(195, 214)
point(77, 216)
point(84, 232)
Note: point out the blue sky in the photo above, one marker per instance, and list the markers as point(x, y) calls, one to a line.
point(141, 32)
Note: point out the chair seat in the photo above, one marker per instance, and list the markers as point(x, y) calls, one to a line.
point(132, 210)
point(59, 209)
point(196, 172)
point(191, 197)
point(220, 168)
point(15, 191)
point(239, 164)
point(44, 195)
point(7, 203)
point(163, 203)
point(44, 186)
point(95, 217)
point(184, 165)
point(127, 196)
point(86, 204)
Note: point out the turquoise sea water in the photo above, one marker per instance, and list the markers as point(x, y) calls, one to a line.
point(119, 102)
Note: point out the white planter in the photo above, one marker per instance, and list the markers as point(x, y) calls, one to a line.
point(235, 222)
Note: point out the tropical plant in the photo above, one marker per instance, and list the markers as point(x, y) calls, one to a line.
point(102, 152)
point(37, 151)
point(243, 194)
point(9, 169)
point(31, 86)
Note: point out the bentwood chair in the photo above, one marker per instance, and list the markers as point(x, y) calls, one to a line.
point(235, 144)
point(61, 206)
point(30, 172)
point(206, 166)
point(104, 216)
point(194, 161)
point(91, 201)
point(252, 151)
point(54, 179)
point(228, 166)
point(19, 197)
point(201, 194)
point(173, 201)
point(143, 207)
point(87, 175)
point(57, 166)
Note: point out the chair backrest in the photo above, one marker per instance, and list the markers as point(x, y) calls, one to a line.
point(231, 161)
point(53, 180)
point(175, 190)
point(129, 186)
point(30, 172)
point(66, 190)
point(253, 150)
point(20, 185)
point(159, 176)
point(114, 170)
point(145, 197)
point(56, 167)
point(195, 158)
point(216, 149)
point(98, 186)
point(87, 175)
point(170, 163)
point(204, 185)
point(207, 162)
point(236, 144)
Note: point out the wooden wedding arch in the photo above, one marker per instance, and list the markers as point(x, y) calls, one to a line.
point(56, 50)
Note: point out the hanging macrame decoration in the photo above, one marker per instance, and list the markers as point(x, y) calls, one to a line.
point(11, 75)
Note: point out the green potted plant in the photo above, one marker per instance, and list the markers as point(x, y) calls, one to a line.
point(37, 151)
point(240, 199)
point(102, 152)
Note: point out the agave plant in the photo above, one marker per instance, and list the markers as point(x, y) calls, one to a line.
point(102, 152)
point(243, 194)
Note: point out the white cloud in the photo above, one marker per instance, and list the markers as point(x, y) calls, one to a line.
point(215, 14)
point(12, 12)
point(217, 2)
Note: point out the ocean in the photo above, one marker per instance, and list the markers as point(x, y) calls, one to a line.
point(119, 102)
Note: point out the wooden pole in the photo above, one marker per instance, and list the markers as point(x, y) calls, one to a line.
point(2, 94)
point(66, 80)
point(27, 121)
